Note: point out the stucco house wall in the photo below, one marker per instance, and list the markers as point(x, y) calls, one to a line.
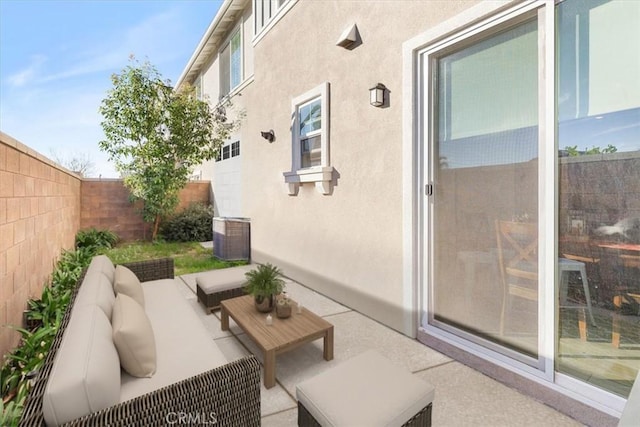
point(347, 245)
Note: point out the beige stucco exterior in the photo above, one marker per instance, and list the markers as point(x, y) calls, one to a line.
point(361, 238)
point(347, 245)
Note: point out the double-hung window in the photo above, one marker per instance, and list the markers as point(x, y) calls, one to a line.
point(231, 64)
point(310, 141)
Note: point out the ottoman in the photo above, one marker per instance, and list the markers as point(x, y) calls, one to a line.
point(366, 390)
point(217, 285)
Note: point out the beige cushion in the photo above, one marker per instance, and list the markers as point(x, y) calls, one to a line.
point(184, 345)
point(102, 264)
point(133, 337)
point(97, 290)
point(223, 279)
point(366, 390)
point(85, 376)
point(126, 282)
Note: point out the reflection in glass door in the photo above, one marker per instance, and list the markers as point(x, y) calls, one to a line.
point(484, 167)
point(598, 337)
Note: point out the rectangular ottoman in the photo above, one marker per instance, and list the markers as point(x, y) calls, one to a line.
point(366, 390)
point(217, 285)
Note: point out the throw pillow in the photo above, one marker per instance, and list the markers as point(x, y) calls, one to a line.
point(133, 337)
point(126, 282)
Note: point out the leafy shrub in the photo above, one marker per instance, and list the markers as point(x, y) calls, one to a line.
point(193, 224)
point(94, 238)
point(43, 319)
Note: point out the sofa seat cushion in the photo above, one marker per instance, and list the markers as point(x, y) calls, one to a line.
point(85, 376)
point(184, 347)
point(126, 282)
point(133, 337)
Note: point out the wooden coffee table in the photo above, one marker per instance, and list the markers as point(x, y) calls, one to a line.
point(283, 335)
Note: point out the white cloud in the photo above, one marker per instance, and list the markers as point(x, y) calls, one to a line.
point(25, 76)
point(153, 38)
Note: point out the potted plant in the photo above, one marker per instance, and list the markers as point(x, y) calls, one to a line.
point(283, 305)
point(263, 282)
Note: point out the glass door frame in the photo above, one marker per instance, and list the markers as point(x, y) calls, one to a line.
point(418, 67)
point(543, 365)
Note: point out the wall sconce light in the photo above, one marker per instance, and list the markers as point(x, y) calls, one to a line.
point(269, 135)
point(376, 95)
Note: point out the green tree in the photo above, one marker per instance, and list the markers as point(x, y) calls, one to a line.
point(155, 135)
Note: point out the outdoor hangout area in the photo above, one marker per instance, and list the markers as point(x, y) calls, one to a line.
point(322, 363)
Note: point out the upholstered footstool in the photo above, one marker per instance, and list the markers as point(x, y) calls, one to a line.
point(217, 285)
point(366, 390)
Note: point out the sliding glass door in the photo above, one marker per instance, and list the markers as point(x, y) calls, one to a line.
point(598, 128)
point(484, 167)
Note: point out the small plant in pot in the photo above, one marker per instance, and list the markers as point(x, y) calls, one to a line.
point(264, 282)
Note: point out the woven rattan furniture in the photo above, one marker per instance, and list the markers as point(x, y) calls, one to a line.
point(214, 286)
point(366, 390)
point(279, 337)
point(228, 395)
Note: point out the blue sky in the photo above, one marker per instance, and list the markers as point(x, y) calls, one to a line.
point(56, 59)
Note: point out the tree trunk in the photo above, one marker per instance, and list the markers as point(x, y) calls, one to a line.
point(156, 226)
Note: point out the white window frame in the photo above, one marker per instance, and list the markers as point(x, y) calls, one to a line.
point(416, 99)
point(266, 13)
point(321, 175)
point(227, 48)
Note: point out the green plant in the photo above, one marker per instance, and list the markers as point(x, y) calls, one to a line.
point(156, 135)
point(573, 151)
point(264, 281)
point(10, 413)
point(44, 315)
point(94, 238)
point(193, 224)
point(49, 309)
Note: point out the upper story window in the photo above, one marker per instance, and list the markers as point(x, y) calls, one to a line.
point(231, 64)
point(264, 11)
point(310, 141)
point(199, 88)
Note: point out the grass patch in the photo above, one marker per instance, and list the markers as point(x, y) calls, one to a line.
point(189, 257)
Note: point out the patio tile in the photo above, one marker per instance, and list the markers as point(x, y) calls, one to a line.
point(273, 400)
point(211, 322)
point(232, 348)
point(286, 418)
point(353, 334)
point(465, 397)
point(319, 304)
point(190, 280)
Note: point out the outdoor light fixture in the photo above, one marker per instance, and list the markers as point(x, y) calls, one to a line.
point(268, 135)
point(376, 95)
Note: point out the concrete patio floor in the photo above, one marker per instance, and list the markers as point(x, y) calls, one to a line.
point(464, 397)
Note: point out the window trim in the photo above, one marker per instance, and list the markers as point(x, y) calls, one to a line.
point(237, 31)
point(269, 23)
point(321, 175)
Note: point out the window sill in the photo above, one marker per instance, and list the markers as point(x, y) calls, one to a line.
point(322, 176)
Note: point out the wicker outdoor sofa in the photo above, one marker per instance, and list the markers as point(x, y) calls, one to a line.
point(227, 395)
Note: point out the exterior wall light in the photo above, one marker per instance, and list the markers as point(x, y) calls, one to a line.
point(376, 95)
point(269, 135)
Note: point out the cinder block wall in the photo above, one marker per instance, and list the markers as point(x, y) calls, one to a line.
point(105, 205)
point(39, 217)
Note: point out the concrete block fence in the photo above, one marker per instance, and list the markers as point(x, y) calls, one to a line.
point(42, 207)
